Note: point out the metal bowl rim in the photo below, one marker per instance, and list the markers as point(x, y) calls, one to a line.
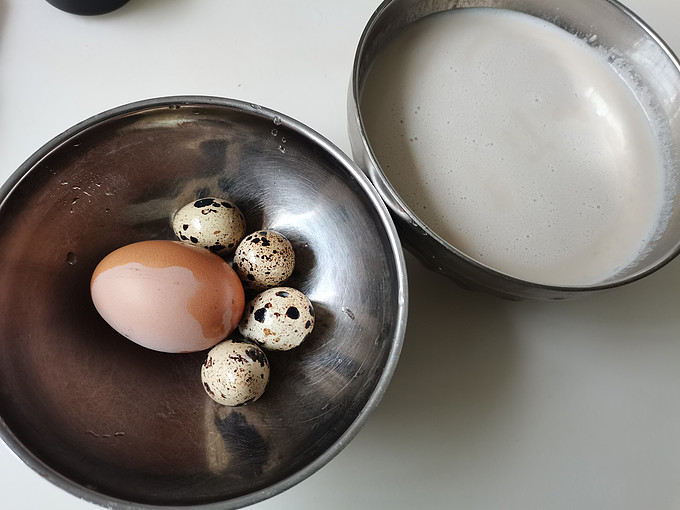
point(400, 209)
point(380, 208)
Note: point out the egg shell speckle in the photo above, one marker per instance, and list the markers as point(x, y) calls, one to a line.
point(235, 373)
point(168, 296)
point(264, 259)
point(278, 319)
point(213, 223)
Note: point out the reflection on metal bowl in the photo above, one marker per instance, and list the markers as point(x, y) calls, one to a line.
point(123, 426)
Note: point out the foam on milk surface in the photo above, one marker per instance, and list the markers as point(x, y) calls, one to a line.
point(516, 143)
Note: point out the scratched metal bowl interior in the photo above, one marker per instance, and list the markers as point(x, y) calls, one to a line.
point(127, 427)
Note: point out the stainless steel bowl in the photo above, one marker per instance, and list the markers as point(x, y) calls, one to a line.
point(126, 427)
point(616, 28)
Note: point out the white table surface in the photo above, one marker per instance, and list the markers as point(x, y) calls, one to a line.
point(530, 406)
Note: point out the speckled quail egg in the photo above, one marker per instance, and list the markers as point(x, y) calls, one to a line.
point(278, 319)
point(213, 223)
point(235, 373)
point(264, 259)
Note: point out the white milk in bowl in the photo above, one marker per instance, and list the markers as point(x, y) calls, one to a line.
point(517, 143)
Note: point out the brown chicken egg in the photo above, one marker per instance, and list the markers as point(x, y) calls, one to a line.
point(168, 296)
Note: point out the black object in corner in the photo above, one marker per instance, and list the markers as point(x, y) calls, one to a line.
point(87, 7)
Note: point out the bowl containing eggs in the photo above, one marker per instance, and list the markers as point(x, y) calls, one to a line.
point(527, 148)
point(204, 301)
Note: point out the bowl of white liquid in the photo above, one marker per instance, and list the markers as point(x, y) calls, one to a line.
point(526, 148)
